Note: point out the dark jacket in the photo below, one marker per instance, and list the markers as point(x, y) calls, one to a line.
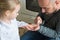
point(51, 26)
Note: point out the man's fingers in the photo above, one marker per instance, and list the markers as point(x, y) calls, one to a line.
point(38, 20)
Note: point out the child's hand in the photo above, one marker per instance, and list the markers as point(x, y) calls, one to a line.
point(35, 27)
point(32, 27)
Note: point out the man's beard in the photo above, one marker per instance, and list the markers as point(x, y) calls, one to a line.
point(50, 13)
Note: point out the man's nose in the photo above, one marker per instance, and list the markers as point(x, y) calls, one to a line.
point(43, 10)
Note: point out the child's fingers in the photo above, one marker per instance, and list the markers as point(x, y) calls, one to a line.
point(29, 27)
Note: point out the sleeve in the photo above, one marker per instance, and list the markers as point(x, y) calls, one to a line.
point(21, 23)
point(51, 33)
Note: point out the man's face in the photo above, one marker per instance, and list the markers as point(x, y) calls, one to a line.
point(46, 6)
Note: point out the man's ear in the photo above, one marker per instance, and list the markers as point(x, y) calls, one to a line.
point(57, 2)
point(7, 13)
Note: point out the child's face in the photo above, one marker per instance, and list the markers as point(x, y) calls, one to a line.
point(14, 13)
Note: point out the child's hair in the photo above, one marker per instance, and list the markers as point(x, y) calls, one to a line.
point(7, 5)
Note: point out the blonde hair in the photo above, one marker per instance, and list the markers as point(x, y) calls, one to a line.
point(7, 5)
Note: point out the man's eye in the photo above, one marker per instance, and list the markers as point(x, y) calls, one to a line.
point(47, 8)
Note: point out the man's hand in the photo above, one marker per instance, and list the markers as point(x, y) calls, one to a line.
point(38, 20)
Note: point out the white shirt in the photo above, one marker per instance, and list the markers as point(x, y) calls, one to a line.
point(10, 31)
